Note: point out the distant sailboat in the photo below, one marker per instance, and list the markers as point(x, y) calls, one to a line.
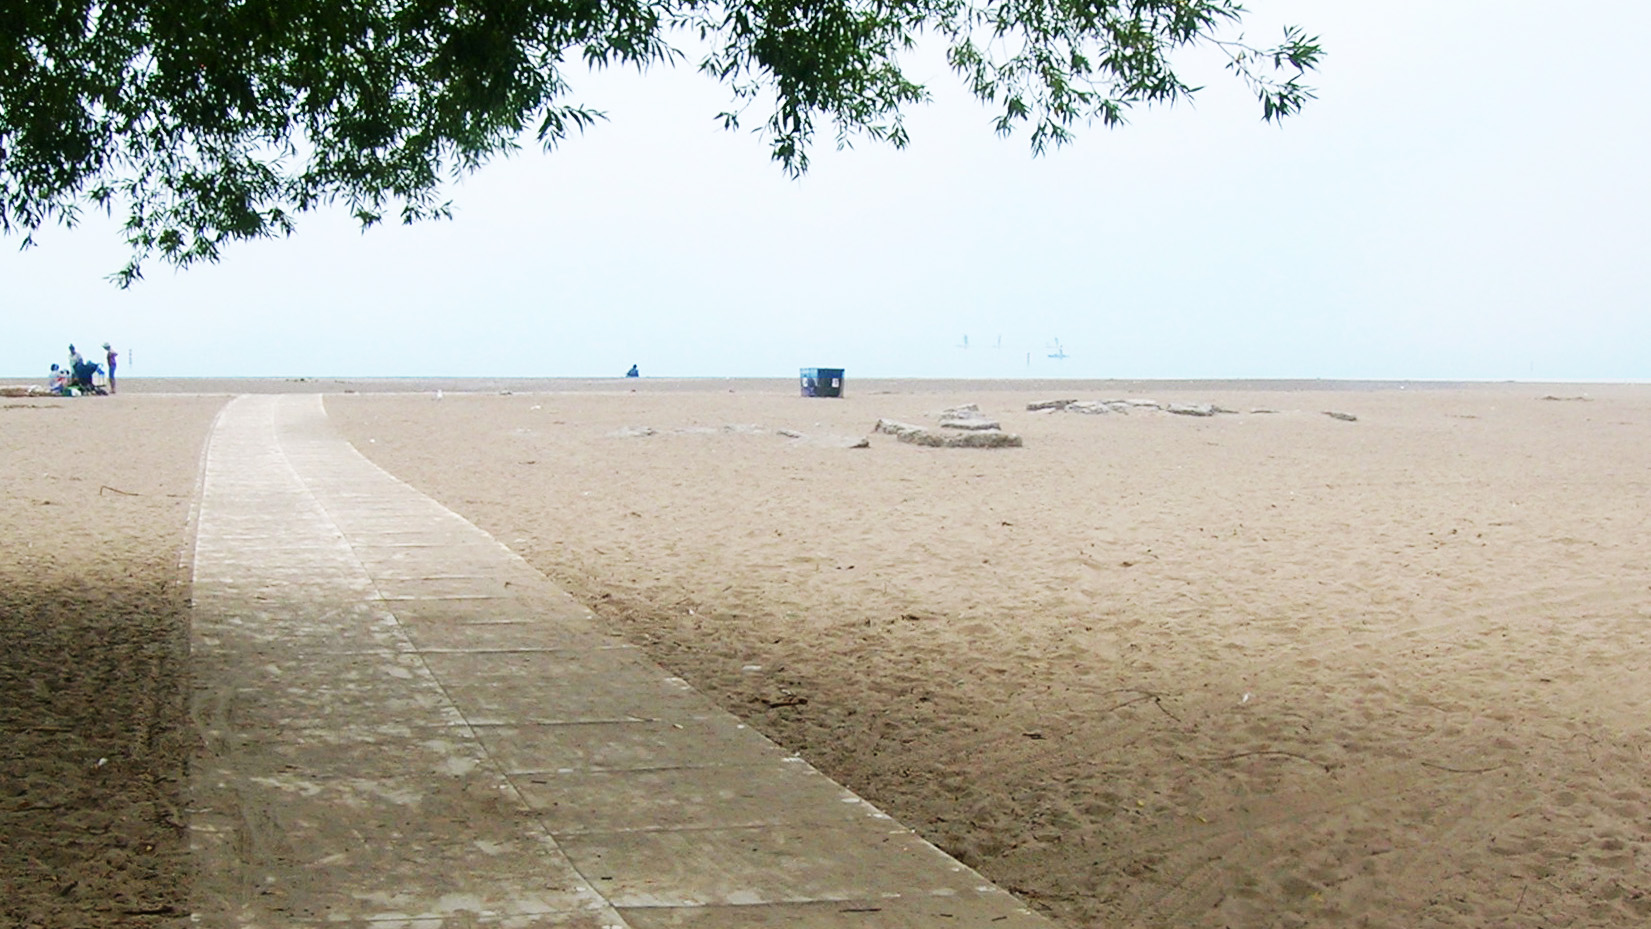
point(1059, 351)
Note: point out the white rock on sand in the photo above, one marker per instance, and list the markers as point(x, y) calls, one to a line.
point(967, 417)
point(918, 435)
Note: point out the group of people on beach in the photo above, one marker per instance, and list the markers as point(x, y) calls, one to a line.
point(84, 377)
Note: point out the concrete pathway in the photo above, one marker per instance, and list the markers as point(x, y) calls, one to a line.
point(404, 725)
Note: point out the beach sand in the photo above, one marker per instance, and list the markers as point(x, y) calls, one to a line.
point(1256, 669)
point(94, 646)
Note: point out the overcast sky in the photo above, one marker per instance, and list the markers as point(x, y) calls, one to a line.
point(1467, 199)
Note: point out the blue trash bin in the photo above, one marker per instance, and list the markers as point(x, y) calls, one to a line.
point(822, 382)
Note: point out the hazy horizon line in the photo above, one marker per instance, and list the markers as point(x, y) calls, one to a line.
point(193, 383)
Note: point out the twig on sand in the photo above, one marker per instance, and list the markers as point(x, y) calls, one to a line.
point(124, 493)
point(1440, 767)
point(1156, 698)
point(1132, 702)
point(1274, 751)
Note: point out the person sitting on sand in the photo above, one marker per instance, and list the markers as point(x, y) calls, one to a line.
point(59, 381)
point(633, 372)
point(83, 376)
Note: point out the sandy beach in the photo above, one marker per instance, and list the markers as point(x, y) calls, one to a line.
point(94, 647)
point(1263, 668)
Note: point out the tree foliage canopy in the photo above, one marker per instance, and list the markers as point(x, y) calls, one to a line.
point(207, 121)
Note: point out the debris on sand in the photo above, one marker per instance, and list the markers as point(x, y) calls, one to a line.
point(967, 417)
point(1125, 405)
point(918, 435)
